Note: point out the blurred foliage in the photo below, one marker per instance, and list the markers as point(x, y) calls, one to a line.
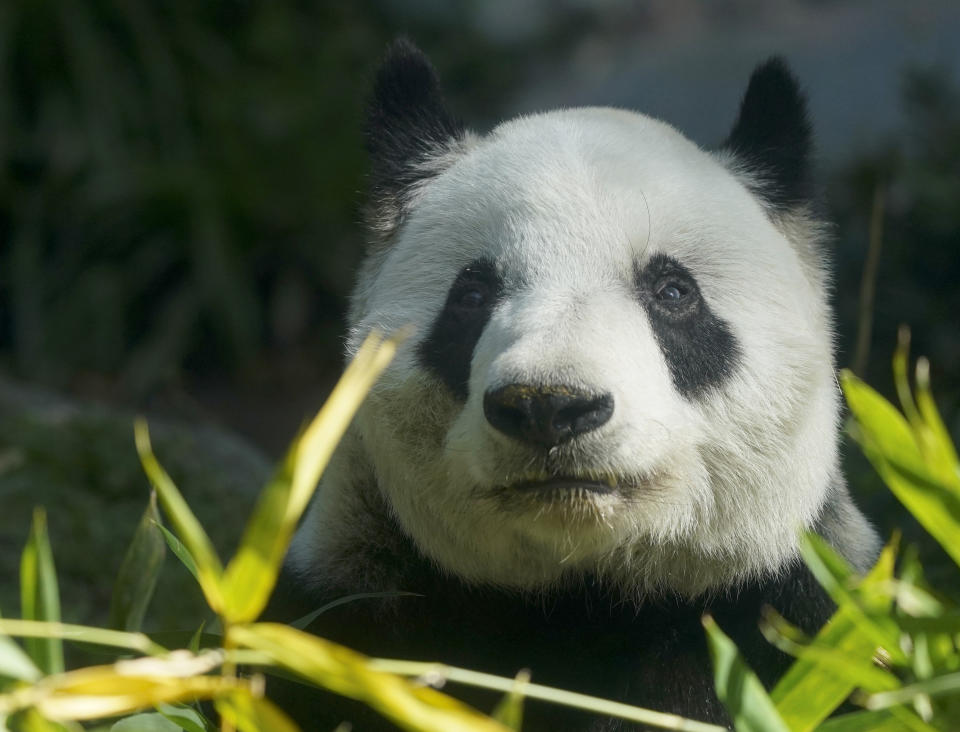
point(179, 181)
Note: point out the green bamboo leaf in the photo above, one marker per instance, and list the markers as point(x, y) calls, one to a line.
point(929, 488)
point(936, 442)
point(188, 528)
point(139, 572)
point(252, 574)
point(15, 663)
point(509, 711)
point(303, 622)
point(39, 594)
point(872, 721)
point(180, 551)
point(808, 693)
point(150, 722)
point(943, 684)
point(832, 664)
point(186, 718)
point(867, 610)
point(81, 634)
point(738, 687)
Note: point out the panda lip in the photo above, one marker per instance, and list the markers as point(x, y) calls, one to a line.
point(563, 484)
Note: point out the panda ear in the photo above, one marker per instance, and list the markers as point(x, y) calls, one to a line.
point(771, 137)
point(409, 132)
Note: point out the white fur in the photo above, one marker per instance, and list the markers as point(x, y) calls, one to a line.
point(566, 202)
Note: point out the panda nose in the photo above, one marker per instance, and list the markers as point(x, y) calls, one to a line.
point(545, 416)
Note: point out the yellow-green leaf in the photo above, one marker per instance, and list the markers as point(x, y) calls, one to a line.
point(251, 575)
point(248, 713)
point(808, 693)
point(509, 711)
point(139, 571)
point(869, 721)
point(188, 528)
point(345, 672)
point(923, 476)
point(122, 688)
point(738, 687)
point(15, 663)
point(39, 594)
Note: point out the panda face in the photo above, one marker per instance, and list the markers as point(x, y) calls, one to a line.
point(622, 357)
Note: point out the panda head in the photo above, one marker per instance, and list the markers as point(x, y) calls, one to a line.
point(621, 362)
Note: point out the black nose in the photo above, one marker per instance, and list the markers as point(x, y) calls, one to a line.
point(545, 415)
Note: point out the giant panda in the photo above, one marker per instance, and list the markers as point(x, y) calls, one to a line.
point(617, 411)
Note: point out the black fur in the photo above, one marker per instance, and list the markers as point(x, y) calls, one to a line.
point(582, 639)
point(772, 136)
point(448, 350)
point(700, 348)
point(407, 123)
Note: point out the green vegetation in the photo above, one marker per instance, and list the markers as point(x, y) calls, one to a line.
point(892, 648)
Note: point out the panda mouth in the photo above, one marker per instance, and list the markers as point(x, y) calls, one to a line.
point(561, 485)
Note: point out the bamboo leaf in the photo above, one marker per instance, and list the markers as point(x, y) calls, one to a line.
point(738, 687)
point(148, 722)
point(15, 663)
point(254, 714)
point(188, 718)
point(898, 450)
point(80, 633)
point(39, 594)
point(122, 688)
point(808, 693)
point(251, 575)
point(345, 672)
point(188, 528)
point(509, 711)
point(179, 550)
point(868, 721)
point(139, 572)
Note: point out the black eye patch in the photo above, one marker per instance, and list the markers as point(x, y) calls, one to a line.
point(699, 347)
point(448, 350)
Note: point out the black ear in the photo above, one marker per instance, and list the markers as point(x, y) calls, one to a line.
point(771, 137)
point(408, 126)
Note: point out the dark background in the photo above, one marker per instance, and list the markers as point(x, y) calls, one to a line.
point(180, 181)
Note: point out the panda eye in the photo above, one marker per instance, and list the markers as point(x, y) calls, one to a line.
point(475, 288)
point(671, 292)
point(472, 297)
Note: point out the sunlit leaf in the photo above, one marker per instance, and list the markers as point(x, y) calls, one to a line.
point(348, 673)
point(943, 684)
point(929, 490)
point(124, 687)
point(80, 633)
point(836, 577)
point(738, 687)
point(188, 718)
point(808, 693)
point(15, 663)
point(189, 530)
point(180, 551)
point(252, 714)
point(39, 594)
point(441, 673)
point(509, 711)
point(139, 572)
point(251, 575)
point(148, 722)
point(870, 721)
